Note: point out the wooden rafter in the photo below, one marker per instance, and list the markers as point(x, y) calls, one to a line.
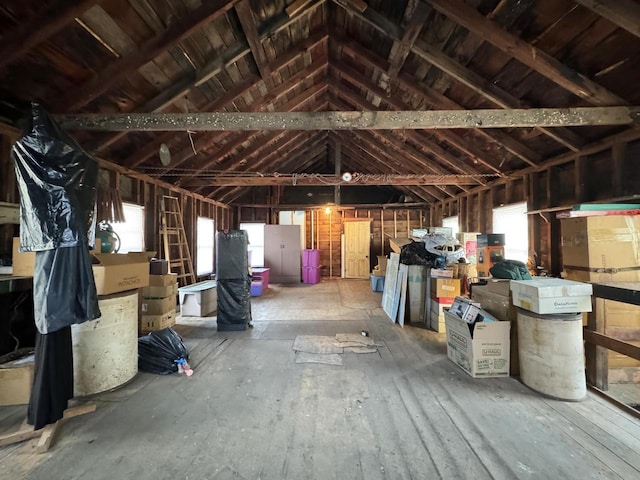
point(18, 40)
point(381, 120)
point(250, 28)
point(401, 49)
point(526, 53)
point(119, 69)
point(624, 13)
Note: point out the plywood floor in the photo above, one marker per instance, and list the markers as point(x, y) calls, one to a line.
point(250, 412)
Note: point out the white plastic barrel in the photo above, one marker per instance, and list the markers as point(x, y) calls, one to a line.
point(551, 353)
point(105, 351)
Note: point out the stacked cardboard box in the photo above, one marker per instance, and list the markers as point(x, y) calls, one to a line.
point(442, 293)
point(159, 303)
point(495, 298)
point(604, 249)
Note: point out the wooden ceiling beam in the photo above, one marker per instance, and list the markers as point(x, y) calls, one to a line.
point(401, 48)
point(623, 13)
point(379, 120)
point(442, 102)
point(315, 179)
point(117, 70)
point(250, 29)
point(512, 45)
point(17, 41)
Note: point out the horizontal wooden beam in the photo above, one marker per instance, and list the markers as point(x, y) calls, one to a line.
point(381, 120)
point(305, 179)
point(625, 348)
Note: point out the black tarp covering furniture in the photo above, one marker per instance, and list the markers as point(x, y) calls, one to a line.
point(57, 184)
point(234, 282)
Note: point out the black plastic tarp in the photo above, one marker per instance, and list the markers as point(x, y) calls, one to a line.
point(57, 184)
point(232, 260)
point(234, 304)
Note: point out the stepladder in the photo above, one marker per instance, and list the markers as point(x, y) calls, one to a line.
point(174, 240)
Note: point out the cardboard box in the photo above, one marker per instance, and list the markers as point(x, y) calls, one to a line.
point(163, 280)
point(23, 262)
point(445, 287)
point(501, 307)
point(153, 291)
point(551, 295)
point(114, 272)
point(199, 299)
point(441, 273)
point(499, 286)
point(396, 244)
point(486, 353)
point(601, 242)
point(380, 269)
point(16, 378)
point(150, 323)
point(158, 306)
point(436, 313)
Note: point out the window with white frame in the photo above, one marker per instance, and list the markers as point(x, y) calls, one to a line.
point(205, 243)
point(255, 232)
point(131, 231)
point(512, 221)
point(452, 223)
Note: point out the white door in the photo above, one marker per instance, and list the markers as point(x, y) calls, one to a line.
point(357, 237)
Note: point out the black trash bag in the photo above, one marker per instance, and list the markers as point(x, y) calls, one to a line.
point(162, 352)
point(57, 184)
point(415, 253)
point(510, 269)
point(234, 304)
point(232, 260)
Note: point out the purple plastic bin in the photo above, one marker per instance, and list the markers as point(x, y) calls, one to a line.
point(256, 288)
point(310, 275)
point(311, 258)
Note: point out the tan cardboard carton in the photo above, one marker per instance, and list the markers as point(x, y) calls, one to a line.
point(153, 291)
point(485, 354)
point(158, 306)
point(150, 323)
point(23, 262)
point(114, 272)
point(445, 287)
point(163, 280)
point(15, 381)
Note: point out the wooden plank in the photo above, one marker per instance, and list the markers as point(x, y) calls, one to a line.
point(27, 34)
point(250, 28)
point(619, 346)
point(597, 357)
point(381, 120)
point(119, 69)
point(306, 179)
point(526, 53)
point(624, 13)
point(402, 48)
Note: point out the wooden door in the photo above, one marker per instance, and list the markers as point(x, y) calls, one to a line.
point(357, 238)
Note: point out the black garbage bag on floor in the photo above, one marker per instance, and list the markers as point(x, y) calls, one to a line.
point(162, 352)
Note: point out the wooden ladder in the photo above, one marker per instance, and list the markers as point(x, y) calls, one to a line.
point(176, 248)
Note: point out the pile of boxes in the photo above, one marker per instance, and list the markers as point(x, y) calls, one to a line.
point(159, 302)
point(476, 341)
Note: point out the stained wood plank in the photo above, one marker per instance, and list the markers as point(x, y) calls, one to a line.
point(624, 13)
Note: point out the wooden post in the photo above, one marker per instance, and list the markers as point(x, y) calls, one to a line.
point(597, 358)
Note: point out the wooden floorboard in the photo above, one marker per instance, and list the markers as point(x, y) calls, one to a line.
point(405, 412)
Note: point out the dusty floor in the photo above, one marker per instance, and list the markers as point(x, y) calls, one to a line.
point(250, 412)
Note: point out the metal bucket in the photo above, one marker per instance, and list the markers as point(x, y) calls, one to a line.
point(105, 351)
point(551, 353)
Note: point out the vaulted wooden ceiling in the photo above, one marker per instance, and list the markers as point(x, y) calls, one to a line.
point(187, 56)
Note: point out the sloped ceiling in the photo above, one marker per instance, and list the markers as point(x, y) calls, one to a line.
point(187, 56)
